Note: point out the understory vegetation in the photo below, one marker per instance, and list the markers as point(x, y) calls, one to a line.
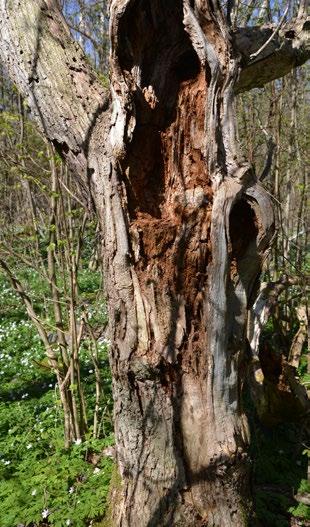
point(56, 429)
point(41, 482)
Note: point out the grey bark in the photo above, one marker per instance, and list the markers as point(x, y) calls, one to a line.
point(186, 228)
point(288, 49)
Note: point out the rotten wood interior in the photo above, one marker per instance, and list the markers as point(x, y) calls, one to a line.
point(168, 188)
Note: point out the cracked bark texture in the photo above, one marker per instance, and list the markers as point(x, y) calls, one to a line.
point(185, 226)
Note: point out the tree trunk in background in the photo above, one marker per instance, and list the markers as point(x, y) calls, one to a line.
point(185, 227)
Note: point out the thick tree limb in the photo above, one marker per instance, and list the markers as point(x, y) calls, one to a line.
point(271, 145)
point(51, 71)
point(289, 48)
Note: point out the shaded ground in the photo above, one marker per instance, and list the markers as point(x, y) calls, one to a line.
point(280, 465)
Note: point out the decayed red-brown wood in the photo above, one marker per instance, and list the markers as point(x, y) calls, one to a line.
point(185, 227)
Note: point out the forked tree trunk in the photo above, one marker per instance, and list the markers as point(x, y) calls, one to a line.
point(186, 228)
point(190, 233)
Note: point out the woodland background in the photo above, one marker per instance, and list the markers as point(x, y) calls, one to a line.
point(56, 425)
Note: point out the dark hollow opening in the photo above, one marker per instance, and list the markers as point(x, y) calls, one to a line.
point(243, 228)
point(187, 66)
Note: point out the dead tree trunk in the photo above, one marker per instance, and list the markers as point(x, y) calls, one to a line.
point(196, 228)
point(185, 225)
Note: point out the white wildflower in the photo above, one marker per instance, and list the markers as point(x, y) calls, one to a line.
point(29, 446)
point(78, 441)
point(34, 492)
point(45, 513)
point(71, 490)
point(96, 470)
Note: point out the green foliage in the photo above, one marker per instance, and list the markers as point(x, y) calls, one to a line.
point(301, 511)
point(280, 466)
point(38, 477)
point(302, 370)
point(62, 483)
point(104, 79)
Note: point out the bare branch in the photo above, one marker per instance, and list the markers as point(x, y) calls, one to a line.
point(277, 29)
point(84, 34)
